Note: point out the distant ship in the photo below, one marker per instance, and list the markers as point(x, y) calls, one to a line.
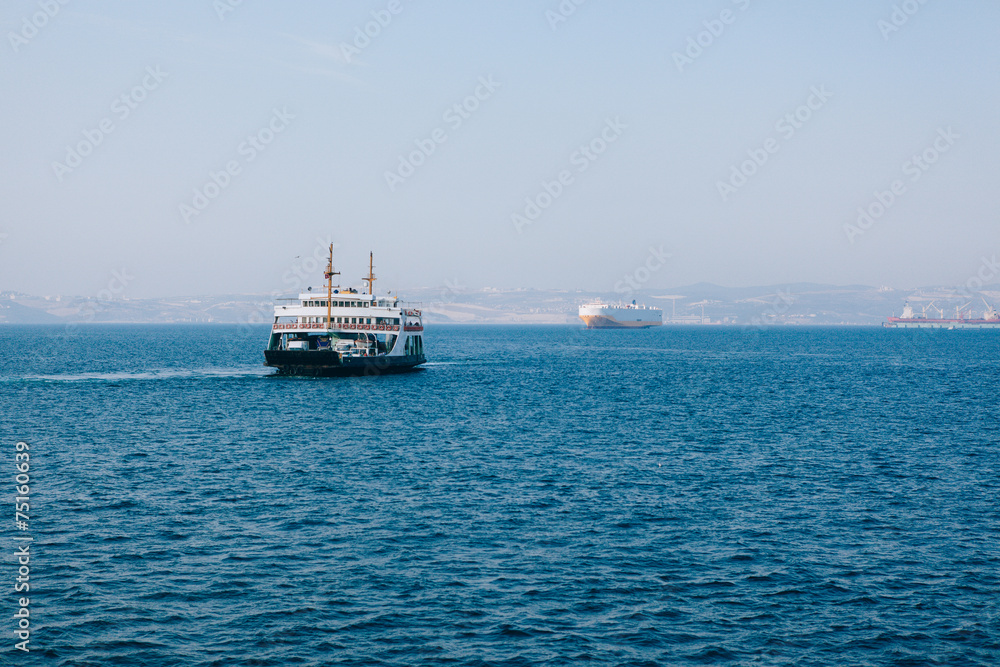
point(629, 316)
point(963, 319)
point(345, 332)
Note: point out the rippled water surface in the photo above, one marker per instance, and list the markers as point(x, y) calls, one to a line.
point(535, 496)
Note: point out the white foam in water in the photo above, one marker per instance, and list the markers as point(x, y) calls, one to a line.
point(160, 374)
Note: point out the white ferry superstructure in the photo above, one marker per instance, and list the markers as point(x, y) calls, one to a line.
point(345, 331)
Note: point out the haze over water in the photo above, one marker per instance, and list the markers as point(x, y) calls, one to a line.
point(202, 147)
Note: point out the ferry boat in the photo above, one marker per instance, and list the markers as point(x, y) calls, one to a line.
point(345, 332)
point(963, 319)
point(608, 316)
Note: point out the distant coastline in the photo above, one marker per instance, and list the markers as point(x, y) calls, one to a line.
point(788, 304)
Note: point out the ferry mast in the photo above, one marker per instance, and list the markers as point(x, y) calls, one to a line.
point(371, 275)
point(330, 273)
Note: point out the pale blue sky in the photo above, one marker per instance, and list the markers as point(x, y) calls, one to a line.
point(679, 133)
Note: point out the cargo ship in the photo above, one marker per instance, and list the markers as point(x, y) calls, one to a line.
point(963, 319)
point(627, 316)
point(345, 331)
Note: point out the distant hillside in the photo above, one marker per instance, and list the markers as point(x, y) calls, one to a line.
point(12, 312)
point(793, 303)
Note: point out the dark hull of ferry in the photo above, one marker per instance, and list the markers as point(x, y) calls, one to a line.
point(327, 363)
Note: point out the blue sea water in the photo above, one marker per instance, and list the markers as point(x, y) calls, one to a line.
point(536, 496)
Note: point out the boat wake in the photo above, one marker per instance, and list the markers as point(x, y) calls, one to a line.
point(156, 374)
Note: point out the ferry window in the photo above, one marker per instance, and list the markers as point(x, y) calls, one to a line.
point(354, 320)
